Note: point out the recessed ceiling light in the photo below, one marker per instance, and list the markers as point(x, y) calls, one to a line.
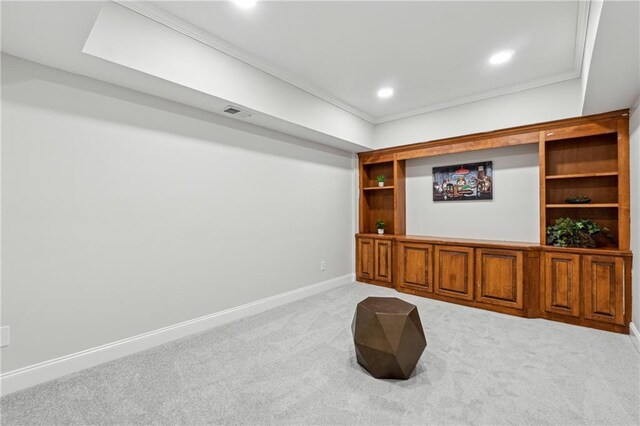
point(245, 4)
point(501, 57)
point(385, 92)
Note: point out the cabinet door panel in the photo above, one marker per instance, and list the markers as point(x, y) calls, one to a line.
point(415, 264)
point(499, 276)
point(562, 283)
point(365, 258)
point(382, 261)
point(603, 287)
point(454, 271)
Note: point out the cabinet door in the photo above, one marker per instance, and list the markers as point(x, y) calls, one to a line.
point(383, 259)
point(415, 266)
point(499, 277)
point(453, 271)
point(562, 283)
point(364, 261)
point(603, 288)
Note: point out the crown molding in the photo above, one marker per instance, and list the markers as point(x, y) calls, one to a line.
point(167, 19)
point(506, 90)
point(580, 40)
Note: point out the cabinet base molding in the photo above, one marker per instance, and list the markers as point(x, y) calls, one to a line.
point(471, 304)
point(374, 282)
point(584, 287)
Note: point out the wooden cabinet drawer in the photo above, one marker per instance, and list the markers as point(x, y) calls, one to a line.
point(499, 277)
point(415, 266)
point(453, 271)
point(603, 288)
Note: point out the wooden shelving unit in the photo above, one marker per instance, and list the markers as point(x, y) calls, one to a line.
point(591, 287)
point(587, 161)
point(382, 202)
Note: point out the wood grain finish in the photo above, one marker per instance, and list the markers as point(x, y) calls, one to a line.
point(399, 204)
point(494, 139)
point(624, 196)
point(383, 260)
point(514, 278)
point(562, 283)
point(584, 129)
point(603, 288)
point(365, 256)
point(453, 271)
point(499, 277)
point(589, 287)
point(415, 266)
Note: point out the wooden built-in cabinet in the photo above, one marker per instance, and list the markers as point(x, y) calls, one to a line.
point(365, 253)
point(589, 287)
point(415, 266)
point(374, 255)
point(562, 283)
point(453, 271)
point(383, 260)
point(500, 277)
point(603, 292)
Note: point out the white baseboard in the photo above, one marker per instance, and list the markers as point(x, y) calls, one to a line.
point(635, 336)
point(48, 370)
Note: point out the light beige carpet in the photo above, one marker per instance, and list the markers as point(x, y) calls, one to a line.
point(296, 365)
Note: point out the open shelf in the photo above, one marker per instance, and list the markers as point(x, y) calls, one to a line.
point(382, 202)
point(582, 206)
point(582, 155)
point(584, 166)
point(372, 171)
point(605, 217)
point(378, 205)
point(377, 188)
point(583, 175)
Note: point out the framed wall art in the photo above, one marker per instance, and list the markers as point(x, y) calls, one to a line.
point(463, 182)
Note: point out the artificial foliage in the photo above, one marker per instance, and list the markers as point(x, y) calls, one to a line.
point(567, 232)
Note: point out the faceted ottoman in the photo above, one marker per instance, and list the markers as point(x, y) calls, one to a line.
point(388, 337)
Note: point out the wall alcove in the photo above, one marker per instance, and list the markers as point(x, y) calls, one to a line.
point(580, 156)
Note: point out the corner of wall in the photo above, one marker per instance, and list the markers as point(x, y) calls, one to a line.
point(635, 336)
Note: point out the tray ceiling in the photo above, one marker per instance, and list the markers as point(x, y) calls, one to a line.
point(435, 54)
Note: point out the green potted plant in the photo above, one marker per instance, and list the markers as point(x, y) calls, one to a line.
point(380, 226)
point(381, 180)
point(567, 232)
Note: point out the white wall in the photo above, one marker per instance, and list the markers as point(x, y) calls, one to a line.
point(634, 129)
point(127, 38)
point(612, 82)
point(512, 215)
point(123, 213)
point(595, 9)
point(553, 102)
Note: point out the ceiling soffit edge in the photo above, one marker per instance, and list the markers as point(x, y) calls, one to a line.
point(165, 18)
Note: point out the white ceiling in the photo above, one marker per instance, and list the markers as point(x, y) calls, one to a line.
point(435, 54)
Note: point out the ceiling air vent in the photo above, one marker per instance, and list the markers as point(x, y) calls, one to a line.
point(232, 110)
point(236, 112)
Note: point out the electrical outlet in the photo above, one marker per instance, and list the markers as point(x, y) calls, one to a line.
point(4, 336)
point(322, 265)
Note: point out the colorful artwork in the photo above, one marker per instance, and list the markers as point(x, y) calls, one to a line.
point(463, 182)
